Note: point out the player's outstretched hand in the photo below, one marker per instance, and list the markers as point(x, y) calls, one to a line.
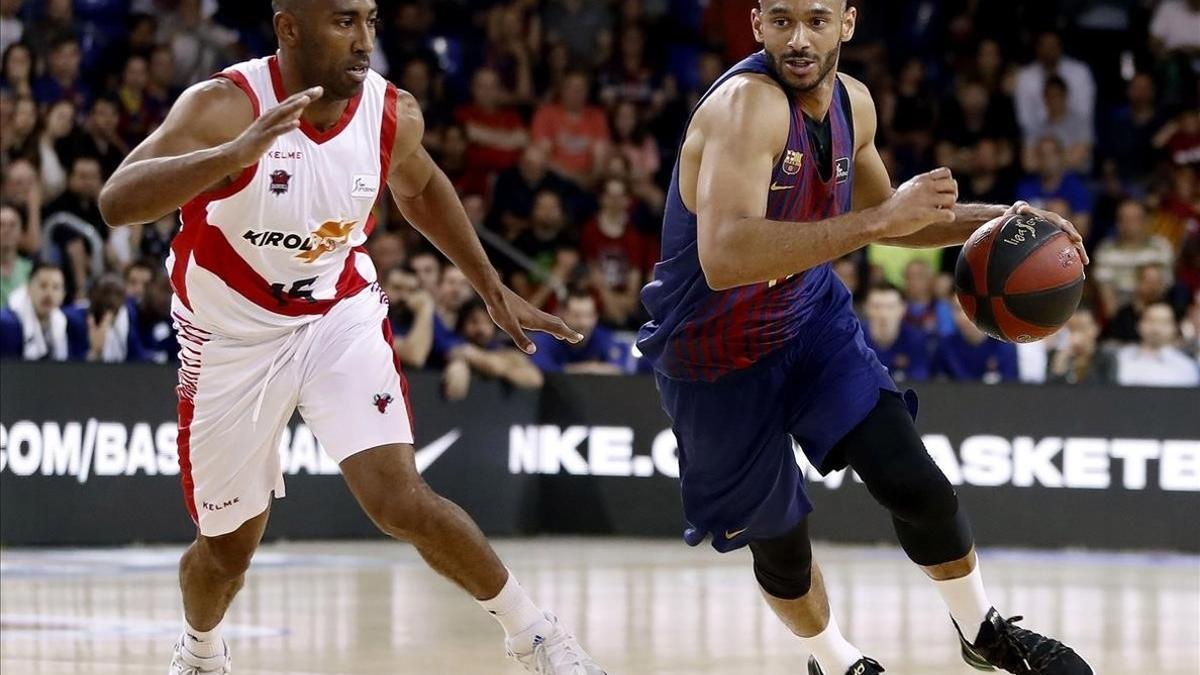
point(1024, 209)
point(259, 137)
point(514, 316)
point(923, 200)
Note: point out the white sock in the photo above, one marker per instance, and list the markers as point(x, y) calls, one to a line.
point(204, 644)
point(831, 650)
point(521, 620)
point(967, 601)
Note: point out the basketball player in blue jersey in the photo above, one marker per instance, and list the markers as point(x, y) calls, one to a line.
point(755, 343)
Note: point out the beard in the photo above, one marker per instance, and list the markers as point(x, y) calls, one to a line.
point(825, 65)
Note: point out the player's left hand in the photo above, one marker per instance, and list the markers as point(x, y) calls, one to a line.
point(1024, 209)
point(514, 316)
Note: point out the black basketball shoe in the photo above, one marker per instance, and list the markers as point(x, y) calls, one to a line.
point(863, 666)
point(1002, 644)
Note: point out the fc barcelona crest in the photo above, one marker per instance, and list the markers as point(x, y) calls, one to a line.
point(791, 162)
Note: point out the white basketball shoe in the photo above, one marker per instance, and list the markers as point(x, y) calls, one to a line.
point(558, 653)
point(184, 662)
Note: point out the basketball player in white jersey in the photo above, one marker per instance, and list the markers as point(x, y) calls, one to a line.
point(276, 164)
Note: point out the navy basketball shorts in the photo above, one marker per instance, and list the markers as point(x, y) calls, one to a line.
point(738, 472)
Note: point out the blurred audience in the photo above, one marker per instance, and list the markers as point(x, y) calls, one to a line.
point(1155, 361)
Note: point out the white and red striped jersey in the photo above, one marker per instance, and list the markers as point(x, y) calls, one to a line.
point(283, 243)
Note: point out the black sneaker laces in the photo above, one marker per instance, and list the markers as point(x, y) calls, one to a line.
point(1027, 649)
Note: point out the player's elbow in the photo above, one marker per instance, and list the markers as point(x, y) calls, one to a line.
point(115, 208)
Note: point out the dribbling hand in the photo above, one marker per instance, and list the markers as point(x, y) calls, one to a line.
point(923, 200)
point(247, 148)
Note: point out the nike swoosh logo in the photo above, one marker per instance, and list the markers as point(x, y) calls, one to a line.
point(430, 453)
point(776, 187)
point(731, 535)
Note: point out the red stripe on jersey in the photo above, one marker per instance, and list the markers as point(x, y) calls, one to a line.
point(214, 253)
point(387, 135)
point(243, 84)
point(314, 134)
point(185, 243)
point(187, 410)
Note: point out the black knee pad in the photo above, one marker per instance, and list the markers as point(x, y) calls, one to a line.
point(783, 565)
point(887, 453)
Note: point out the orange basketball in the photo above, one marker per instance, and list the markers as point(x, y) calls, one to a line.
point(1019, 278)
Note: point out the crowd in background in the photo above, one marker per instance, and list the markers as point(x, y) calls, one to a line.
point(558, 122)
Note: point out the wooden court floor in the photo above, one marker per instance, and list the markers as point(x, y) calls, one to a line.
point(640, 607)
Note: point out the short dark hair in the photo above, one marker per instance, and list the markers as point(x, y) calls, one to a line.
point(42, 265)
point(885, 287)
point(143, 263)
point(464, 313)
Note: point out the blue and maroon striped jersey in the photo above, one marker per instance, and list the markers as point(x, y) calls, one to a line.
point(696, 333)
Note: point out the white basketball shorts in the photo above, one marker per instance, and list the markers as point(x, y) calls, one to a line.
point(237, 396)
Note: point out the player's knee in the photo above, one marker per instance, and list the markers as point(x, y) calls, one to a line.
point(227, 557)
point(917, 497)
point(405, 512)
point(783, 565)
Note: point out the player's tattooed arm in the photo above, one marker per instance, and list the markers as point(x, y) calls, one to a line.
point(209, 137)
point(430, 203)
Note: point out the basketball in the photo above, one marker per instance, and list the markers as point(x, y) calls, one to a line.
point(1019, 278)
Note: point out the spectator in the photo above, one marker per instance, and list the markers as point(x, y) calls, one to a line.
point(547, 244)
point(16, 73)
point(11, 27)
point(1069, 127)
point(1129, 137)
point(33, 326)
point(1190, 327)
point(454, 291)
point(597, 354)
point(465, 175)
point(410, 313)
point(1180, 138)
point(23, 191)
point(514, 39)
point(386, 250)
point(482, 351)
point(1031, 84)
point(516, 189)
point(1079, 359)
point(104, 327)
point(138, 117)
point(77, 242)
point(20, 137)
point(968, 354)
point(1178, 214)
point(59, 124)
point(1118, 259)
point(925, 311)
point(138, 276)
point(100, 137)
point(1053, 178)
point(617, 254)
point(629, 79)
point(155, 327)
point(161, 90)
point(584, 28)
point(987, 181)
point(1151, 288)
point(496, 133)
point(899, 346)
point(14, 269)
point(200, 44)
point(1155, 361)
point(62, 78)
point(428, 268)
point(632, 141)
point(573, 133)
point(1175, 28)
point(971, 118)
